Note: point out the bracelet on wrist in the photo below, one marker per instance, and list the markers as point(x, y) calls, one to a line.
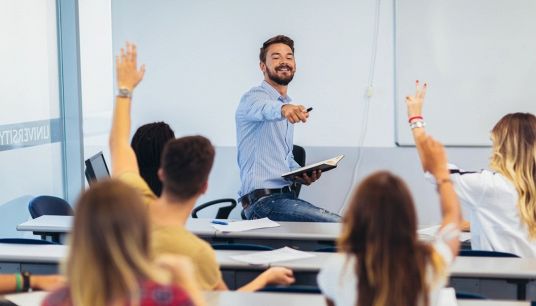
point(410, 119)
point(124, 93)
point(417, 124)
point(18, 282)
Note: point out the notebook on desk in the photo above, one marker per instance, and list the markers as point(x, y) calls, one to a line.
point(324, 166)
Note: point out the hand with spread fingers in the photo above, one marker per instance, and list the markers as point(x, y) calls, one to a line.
point(128, 74)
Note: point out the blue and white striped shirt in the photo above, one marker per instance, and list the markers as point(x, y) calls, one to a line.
point(264, 139)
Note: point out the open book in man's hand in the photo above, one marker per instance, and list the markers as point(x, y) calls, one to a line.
point(325, 165)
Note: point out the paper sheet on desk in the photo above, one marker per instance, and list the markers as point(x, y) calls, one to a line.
point(268, 257)
point(27, 298)
point(246, 225)
point(447, 297)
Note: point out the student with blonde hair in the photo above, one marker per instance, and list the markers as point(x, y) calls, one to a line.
point(384, 262)
point(108, 261)
point(501, 201)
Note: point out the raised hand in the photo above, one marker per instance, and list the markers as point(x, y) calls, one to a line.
point(294, 113)
point(128, 74)
point(415, 103)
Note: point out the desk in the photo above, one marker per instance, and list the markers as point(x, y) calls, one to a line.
point(37, 259)
point(306, 236)
point(226, 298)
point(271, 299)
point(519, 271)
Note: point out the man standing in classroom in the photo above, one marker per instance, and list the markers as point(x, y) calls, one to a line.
point(265, 121)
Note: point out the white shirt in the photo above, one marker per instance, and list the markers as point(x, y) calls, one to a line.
point(338, 282)
point(496, 224)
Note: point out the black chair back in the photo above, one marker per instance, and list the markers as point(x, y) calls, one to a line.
point(223, 212)
point(480, 253)
point(299, 157)
point(49, 205)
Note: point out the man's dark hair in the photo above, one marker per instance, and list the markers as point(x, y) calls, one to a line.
point(279, 39)
point(186, 163)
point(148, 143)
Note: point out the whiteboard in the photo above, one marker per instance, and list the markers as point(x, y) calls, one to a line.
point(479, 57)
point(202, 56)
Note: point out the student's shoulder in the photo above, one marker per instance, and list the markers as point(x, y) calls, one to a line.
point(176, 239)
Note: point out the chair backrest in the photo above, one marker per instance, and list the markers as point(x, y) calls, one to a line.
point(468, 296)
point(241, 247)
point(25, 241)
point(299, 155)
point(49, 205)
point(223, 212)
point(330, 249)
point(292, 289)
point(480, 253)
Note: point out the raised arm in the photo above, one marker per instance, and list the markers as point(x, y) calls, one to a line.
point(434, 160)
point(128, 77)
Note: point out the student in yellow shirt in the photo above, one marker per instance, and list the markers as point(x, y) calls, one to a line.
point(185, 167)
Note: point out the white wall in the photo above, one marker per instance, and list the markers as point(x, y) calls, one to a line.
point(183, 69)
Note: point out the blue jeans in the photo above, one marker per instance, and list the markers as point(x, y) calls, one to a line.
point(287, 207)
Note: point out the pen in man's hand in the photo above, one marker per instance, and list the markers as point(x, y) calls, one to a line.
point(309, 109)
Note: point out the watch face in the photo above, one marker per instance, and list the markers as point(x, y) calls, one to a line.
point(123, 92)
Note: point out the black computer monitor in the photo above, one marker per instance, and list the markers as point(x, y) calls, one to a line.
point(96, 168)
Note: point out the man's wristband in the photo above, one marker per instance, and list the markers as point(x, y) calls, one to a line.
point(124, 93)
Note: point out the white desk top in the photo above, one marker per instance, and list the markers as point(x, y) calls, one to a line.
point(50, 224)
point(476, 267)
point(203, 228)
point(312, 264)
point(225, 298)
point(270, 299)
point(40, 253)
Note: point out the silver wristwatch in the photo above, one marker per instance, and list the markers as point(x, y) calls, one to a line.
point(417, 124)
point(124, 93)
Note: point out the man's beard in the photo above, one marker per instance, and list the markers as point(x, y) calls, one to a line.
point(280, 80)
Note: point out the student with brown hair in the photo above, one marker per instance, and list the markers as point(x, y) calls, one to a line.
point(384, 263)
point(108, 261)
point(185, 167)
point(501, 201)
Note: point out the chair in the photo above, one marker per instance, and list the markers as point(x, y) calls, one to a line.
point(24, 241)
point(241, 247)
point(468, 296)
point(292, 289)
point(223, 212)
point(299, 157)
point(49, 205)
point(480, 253)
point(330, 249)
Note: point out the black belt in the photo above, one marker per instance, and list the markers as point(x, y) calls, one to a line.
point(256, 194)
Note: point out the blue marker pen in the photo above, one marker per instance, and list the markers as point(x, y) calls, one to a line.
point(219, 222)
